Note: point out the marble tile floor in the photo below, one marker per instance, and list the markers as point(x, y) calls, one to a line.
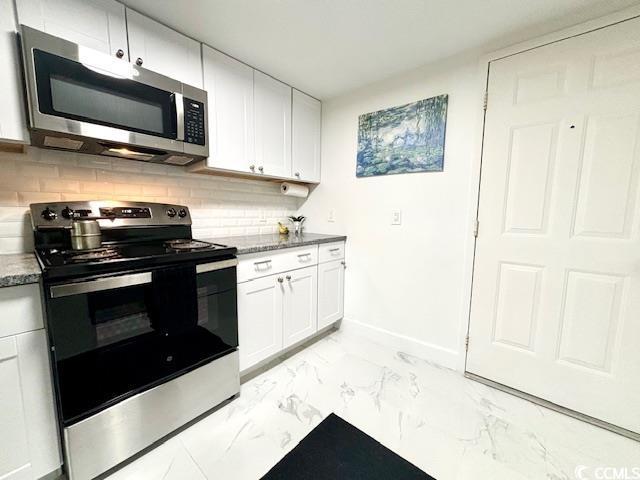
point(451, 427)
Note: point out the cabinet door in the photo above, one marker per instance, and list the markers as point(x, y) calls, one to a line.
point(12, 115)
point(97, 24)
point(330, 292)
point(305, 137)
point(229, 84)
point(163, 50)
point(300, 305)
point(14, 446)
point(273, 125)
point(39, 406)
point(259, 319)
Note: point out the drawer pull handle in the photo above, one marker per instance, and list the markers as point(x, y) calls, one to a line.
point(263, 262)
point(304, 255)
point(334, 250)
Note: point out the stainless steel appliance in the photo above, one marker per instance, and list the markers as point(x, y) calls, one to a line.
point(86, 101)
point(143, 329)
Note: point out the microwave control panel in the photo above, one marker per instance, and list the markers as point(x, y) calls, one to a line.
point(194, 122)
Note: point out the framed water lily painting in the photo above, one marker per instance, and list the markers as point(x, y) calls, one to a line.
point(404, 139)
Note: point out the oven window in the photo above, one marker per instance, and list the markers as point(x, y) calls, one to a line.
point(112, 344)
point(71, 90)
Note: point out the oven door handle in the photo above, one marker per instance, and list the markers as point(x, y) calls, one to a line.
point(210, 267)
point(100, 284)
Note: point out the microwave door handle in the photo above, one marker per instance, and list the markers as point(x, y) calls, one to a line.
point(100, 284)
point(179, 101)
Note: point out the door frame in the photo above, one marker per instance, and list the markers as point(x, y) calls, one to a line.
point(484, 65)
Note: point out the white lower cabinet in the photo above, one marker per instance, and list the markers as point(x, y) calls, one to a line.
point(285, 297)
point(259, 319)
point(300, 305)
point(330, 292)
point(29, 444)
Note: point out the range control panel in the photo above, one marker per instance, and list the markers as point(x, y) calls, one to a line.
point(194, 122)
point(110, 214)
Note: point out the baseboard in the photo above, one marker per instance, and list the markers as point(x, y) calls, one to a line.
point(433, 353)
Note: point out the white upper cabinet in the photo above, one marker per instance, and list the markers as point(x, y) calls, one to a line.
point(97, 24)
point(229, 85)
point(158, 48)
point(272, 101)
point(305, 137)
point(12, 114)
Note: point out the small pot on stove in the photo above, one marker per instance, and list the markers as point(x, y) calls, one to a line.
point(85, 235)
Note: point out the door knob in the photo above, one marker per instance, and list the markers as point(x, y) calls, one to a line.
point(120, 53)
point(280, 280)
point(252, 167)
point(139, 61)
point(261, 168)
point(289, 277)
point(297, 174)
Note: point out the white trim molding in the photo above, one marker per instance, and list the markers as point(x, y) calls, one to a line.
point(428, 351)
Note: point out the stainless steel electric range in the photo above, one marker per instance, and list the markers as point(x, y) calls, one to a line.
point(142, 326)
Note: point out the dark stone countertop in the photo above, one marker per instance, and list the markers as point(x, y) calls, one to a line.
point(19, 269)
point(266, 242)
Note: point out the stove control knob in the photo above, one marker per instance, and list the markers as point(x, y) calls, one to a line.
point(171, 212)
point(49, 214)
point(67, 213)
point(182, 213)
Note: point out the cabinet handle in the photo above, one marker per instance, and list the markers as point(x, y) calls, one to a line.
point(262, 262)
point(297, 174)
point(334, 249)
point(252, 167)
point(261, 168)
point(289, 277)
point(120, 53)
point(280, 280)
point(344, 264)
point(139, 61)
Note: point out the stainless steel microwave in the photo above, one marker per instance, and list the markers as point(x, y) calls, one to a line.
point(89, 102)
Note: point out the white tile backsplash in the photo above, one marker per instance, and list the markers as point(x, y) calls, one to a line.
point(220, 206)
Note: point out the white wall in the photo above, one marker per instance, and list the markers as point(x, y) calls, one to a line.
point(219, 206)
point(409, 280)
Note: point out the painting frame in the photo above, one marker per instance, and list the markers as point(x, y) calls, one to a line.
point(407, 138)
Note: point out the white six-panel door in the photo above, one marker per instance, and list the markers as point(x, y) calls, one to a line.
point(556, 292)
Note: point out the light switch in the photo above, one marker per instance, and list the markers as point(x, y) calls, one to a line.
point(396, 217)
point(332, 216)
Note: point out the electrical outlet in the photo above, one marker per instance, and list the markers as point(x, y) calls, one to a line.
point(332, 216)
point(396, 217)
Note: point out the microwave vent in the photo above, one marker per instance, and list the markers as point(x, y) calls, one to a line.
point(62, 142)
point(178, 160)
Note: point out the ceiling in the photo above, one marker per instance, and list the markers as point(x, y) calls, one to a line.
point(328, 47)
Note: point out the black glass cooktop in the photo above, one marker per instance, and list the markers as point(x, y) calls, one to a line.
point(64, 262)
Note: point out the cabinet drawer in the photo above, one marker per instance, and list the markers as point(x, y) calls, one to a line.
point(20, 309)
point(331, 251)
point(256, 265)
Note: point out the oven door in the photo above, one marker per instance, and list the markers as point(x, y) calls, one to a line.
point(117, 336)
point(75, 90)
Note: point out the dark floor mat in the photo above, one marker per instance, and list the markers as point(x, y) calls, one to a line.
point(335, 449)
